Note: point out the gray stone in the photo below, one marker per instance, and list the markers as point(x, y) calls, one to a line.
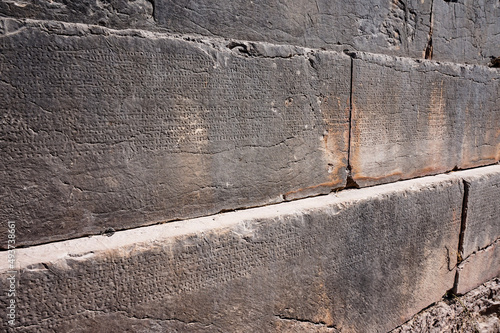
point(463, 31)
point(104, 129)
point(357, 261)
point(480, 234)
point(479, 267)
point(416, 117)
point(385, 26)
point(482, 224)
point(466, 31)
point(477, 311)
point(120, 14)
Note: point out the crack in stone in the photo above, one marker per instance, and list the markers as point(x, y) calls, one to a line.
point(483, 249)
point(280, 199)
point(349, 167)
point(463, 222)
point(463, 226)
point(350, 182)
point(428, 48)
point(320, 323)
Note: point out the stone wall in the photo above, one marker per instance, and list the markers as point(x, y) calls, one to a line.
point(360, 260)
point(312, 120)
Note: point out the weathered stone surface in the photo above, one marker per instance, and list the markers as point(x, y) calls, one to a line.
point(480, 244)
point(121, 14)
point(466, 31)
point(119, 322)
point(113, 131)
point(479, 267)
point(385, 26)
point(477, 311)
point(482, 223)
point(357, 261)
point(463, 31)
point(412, 118)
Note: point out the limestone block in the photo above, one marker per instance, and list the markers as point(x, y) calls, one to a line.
point(385, 26)
point(416, 117)
point(482, 224)
point(478, 268)
point(466, 31)
point(358, 261)
point(104, 129)
point(463, 31)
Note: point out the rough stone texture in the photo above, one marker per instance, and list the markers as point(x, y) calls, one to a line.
point(119, 322)
point(416, 117)
point(477, 311)
point(466, 31)
point(479, 247)
point(478, 267)
point(296, 326)
point(463, 31)
point(386, 26)
point(119, 14)
point(357, 261)
point(104, 129)
point(482, 224)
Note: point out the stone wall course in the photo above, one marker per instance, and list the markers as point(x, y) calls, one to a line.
point(104, 130)
point(357, 261)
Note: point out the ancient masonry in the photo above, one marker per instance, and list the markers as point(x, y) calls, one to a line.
point(246, 166)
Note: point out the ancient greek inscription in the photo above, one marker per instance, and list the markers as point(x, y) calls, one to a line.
point(170, 101)
point(413, 118)
point(132, 130)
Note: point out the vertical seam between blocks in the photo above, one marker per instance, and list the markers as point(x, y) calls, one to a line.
point(350, 119)
point(463, 226)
